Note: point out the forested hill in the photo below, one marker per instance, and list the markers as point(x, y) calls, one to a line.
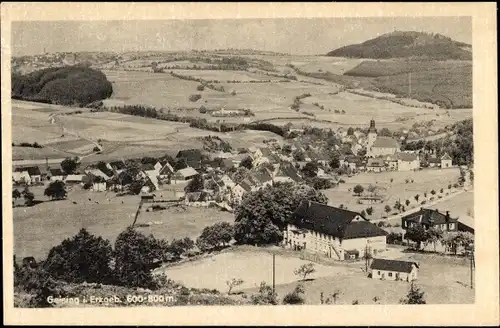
point(405, 45)
point(70, 85)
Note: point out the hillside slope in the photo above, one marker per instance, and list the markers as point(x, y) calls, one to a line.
point(406, 45)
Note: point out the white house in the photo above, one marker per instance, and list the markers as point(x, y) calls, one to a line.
point(446, 161)
point(184, 174)
point(375, 165)
point(21, 177)
point(408, 161)
point(334, 232)
point(385, 269)
point(239, 190)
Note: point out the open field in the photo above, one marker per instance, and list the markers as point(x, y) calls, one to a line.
point(460, 205)
point(424, 181)
point(19, 153)
point(254, 265)
point(444, 281)
point(39, 228)
point(225, 75)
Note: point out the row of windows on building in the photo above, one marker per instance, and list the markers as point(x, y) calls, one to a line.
point(451, 226)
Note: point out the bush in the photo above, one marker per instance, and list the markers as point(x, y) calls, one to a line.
point(200, 87)
point(203, 109)
point(195, 97)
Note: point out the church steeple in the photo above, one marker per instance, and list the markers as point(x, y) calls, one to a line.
point(372, 128)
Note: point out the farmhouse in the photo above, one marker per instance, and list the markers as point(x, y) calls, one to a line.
point(33, 172)
point(335, 232)
point(151, 182)
point(353, 162)
point(21, 177)
point(239, 190)
point(446, 161)
point(166, 171)
point(434, 162)
point(407, 162)
point(261, 178)
point(56, 175)
point(430, 218)
point(184, 174)
point(394, 270)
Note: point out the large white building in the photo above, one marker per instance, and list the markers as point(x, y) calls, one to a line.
point(334, 232)
point(380, 146)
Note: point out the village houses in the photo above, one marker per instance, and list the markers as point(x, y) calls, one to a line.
point(385, 269)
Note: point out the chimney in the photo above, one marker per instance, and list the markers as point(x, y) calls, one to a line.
point(447, 217)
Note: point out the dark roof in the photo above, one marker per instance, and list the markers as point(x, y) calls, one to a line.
point(333, 221)
point(392, 265)
point(56, 172)
point(117, 165)
point(32, 170)
point(148, 167)
point(360, 229)
point(289, 171)
point(262, 176)
point(246, 185)
point(190, 154)
point(406, 157)
point(428, 216)
point(385, 142)
point(222, 163)
point(434, 160)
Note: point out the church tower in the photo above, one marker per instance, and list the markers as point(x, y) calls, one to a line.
point(372, 135)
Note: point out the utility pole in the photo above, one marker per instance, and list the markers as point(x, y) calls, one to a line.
point(409, 84)
point(274, 273)
point(472, 266)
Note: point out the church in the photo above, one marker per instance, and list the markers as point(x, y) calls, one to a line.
point(380, 146)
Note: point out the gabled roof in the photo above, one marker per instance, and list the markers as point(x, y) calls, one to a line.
point(246, 185)
point(333, 221)
point(187, 172)
point(222, 163)
point(56, 172)
point(97, 173)
point(262, 176)
point(385, 142)
point(148, 167)
point(117, 165)
point(288, 170)
point(392, 265)
point(32, 170)
point(152, 177)
point(428, 216)
point(406, 157)
point(167, 169)
point(446, 157)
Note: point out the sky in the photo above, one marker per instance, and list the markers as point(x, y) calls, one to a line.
point(304, 36)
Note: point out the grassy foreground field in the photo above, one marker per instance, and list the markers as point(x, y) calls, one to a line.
point(254, 265)
point(37, 229)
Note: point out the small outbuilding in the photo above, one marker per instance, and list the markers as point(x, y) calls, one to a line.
point(385, 269)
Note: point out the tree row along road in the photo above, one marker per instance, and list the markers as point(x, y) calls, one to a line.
point(467, 184)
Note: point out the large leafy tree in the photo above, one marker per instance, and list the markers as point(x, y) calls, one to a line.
point(196, 184)
point(69, 165)
point(56, 190)
point(133, 259)
point(247, 162)
point(84, 257)
point(417, 234)
point(215, 235)
point(310, 170)
point(263, 214)
point(29, 197)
